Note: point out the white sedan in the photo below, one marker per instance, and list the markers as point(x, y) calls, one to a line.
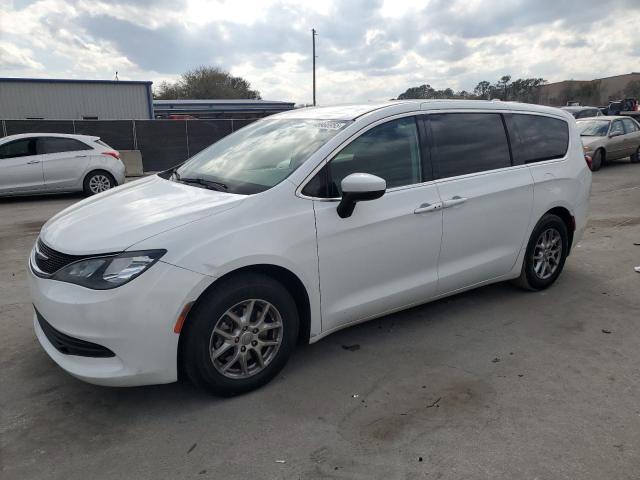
point(33, 163)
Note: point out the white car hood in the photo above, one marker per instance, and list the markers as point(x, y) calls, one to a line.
point(117, 219)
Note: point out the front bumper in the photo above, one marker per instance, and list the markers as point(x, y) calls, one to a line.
point(134, 321)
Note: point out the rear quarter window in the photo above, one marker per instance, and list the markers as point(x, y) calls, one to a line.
point(539, 138)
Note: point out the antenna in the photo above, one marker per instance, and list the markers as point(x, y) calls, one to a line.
point(313, 41)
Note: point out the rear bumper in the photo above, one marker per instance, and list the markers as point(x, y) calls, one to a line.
point(135, 322)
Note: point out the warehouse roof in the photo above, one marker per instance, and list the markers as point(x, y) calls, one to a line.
point(73, 80)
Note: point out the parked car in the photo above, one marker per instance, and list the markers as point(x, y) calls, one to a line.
point(301, 224)
point(610, 138)
point(582, 111)
point(34, 163)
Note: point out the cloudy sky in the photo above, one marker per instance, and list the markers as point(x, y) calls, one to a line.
point(368, 49)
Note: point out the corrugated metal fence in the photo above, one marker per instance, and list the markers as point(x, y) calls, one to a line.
point(162, 143)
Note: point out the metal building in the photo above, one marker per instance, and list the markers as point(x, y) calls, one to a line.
point(57, 99)
point(204, 109)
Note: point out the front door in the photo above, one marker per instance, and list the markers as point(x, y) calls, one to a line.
point(385, 255)
point(20, 167)
point(616, 146)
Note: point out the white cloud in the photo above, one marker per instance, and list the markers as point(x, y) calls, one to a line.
point(368, 49)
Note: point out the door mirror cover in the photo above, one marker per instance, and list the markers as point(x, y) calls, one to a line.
point(359, 187)
point(615, 134)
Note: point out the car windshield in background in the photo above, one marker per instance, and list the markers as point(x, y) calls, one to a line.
point(259, 156)
point(593, 128)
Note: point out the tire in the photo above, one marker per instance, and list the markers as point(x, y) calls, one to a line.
point(98, 181)
point(212, 328)
point(635, 158)
point(551, 231)
point(597, 160)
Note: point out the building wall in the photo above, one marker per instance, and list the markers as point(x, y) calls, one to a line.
point(73, 100)
point(596, 92)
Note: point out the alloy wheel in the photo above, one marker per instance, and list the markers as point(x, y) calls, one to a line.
point(99, 183)
point(547, 253)
point(246, 338)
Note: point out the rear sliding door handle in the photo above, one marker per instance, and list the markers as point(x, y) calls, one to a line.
point(452, 202)
point(428, 207)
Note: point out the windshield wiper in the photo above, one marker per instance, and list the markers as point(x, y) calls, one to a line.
point(210, 184)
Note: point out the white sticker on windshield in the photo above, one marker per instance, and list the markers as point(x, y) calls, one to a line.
point(330, 125)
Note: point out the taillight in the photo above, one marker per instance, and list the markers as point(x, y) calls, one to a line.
point(589, 161)
point(112, 153)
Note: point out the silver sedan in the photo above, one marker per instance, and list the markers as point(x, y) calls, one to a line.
point(610, 138)
point(35, 163)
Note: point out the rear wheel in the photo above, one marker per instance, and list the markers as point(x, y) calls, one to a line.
point(241, 335)
point(98, 181)
point(635, 158)
point(597, 160)
point(546, 253)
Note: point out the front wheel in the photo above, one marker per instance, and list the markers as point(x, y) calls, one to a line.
point(597, 160)
point(546, 253)
point(240, 335)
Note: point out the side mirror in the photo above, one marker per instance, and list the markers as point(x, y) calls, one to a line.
point(615, 134)
point(359, 187)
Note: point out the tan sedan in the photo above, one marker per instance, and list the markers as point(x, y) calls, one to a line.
point(610, 138)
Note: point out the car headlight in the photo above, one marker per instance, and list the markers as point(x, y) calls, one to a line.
point(587, 148)
point(103, 273)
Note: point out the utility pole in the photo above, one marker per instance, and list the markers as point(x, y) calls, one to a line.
point(313, 41)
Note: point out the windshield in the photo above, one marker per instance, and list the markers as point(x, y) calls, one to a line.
point(593, 128)
point(260, 155)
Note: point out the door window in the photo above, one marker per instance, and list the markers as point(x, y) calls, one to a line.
point(629, 125)
point(59, 145)
point(468, 142)
point(390, 151)
point(540, 138)
point(18, 148)
point(617, 127)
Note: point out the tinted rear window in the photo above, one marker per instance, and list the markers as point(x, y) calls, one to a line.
point(468, 143)
point(541, 138)
point(60, 144)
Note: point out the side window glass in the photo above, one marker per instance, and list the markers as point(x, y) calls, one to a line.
point(540, 138)
point(468, 142)
point(59, 145)
point(617, 127)
point(390, 151)
point(18, 148)
point(629, 126)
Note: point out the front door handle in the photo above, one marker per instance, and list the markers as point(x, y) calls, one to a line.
point(31, 162)
point(452, 202)
point(428, 207)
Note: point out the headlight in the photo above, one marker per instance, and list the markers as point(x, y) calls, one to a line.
point(103, 273)
point(587, 148)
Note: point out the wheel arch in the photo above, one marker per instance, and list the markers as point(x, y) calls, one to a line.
point(568, 219)
point(283, 275)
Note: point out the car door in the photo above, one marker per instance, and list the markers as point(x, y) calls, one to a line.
point(616, 144)
point(487, 202)
point(385, 255)
point(20, 167)
point(631, 136)
point(64, 161)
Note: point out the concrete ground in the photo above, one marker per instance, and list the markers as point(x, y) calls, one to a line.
point(494, 383)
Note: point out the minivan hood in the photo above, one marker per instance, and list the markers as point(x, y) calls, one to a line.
point(117, 219)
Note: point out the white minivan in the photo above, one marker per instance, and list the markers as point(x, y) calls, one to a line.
point(301, 224)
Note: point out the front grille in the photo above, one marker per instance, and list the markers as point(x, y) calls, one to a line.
point(49, 260)
point(69, 345)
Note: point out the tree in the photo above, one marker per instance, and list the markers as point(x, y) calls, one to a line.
point(482, 90)
point(206, 83)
